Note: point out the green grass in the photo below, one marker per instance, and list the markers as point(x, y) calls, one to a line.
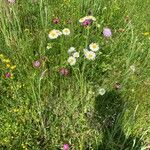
point(46, 112)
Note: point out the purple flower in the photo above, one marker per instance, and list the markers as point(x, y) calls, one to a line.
point(64, 71)
point(37, 64)
point(7, 75)
point(66, 147)
point(56, 20)
point(107, 32)
point(86, 23)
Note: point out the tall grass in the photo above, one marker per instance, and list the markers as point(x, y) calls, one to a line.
point(45, 112)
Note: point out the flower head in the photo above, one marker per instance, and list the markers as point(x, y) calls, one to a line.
point(64, 71)
point(117, 86)
point(101, 91)
point(37, 64)
point(90, 18)
point(107, 32)
point(86, 23)
point(66, 31)
point(72, 60)
point(71, 50)
point(76, 54)
point(54, 34)
point(94, 47)
point(66, 147)
point(8, 75)
point(90, 55)
point(12, 1)
point(56, 20)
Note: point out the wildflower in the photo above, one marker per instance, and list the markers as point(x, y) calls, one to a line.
point(66, 147)
point(1, 56)
point(90, 18)
point(146, 33)
point(6, 60)
point(37, 64)
point(101, 91)
point(54, 34)
point(117, 86)
point(132, 68)
point(56, 20)
point(13, 67)
point(86, 23)
point(64, 71)
point(71, 50)
point(8, 75)
point(72, 60)
point(94, 47)
point(90, 55)
point(7, 65)
point(107, 32)
point(11, 1)
point(66, 31)
point(76, 54)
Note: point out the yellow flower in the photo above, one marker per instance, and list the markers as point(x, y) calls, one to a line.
point(13, 67)
point(146, 33)
point(7, 65)
point(6, 60)
point(1, 56)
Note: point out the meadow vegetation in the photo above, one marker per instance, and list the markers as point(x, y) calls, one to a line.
point(68, 82)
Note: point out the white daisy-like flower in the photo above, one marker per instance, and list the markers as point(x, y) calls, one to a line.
point(54, 34)
point(76, 54)
point(90, 55)
point(91, 18)
point(72, 60)
point(94, 47)
point(82, 19)
point(87, 18)
point(59, 32)
point(101, 91)
point(66, 31)
point(71, 50)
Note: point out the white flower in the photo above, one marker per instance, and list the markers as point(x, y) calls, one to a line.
point(87, 18)
point(76, 54)
point(132, 68)
point(90, 55)
point(91, 18)
point(94, 47)
point(59, 32)
point(71, 50)
point(54, 34)
point(72, 60)
point(101, 91)
point(11, 1)
point(66, 31)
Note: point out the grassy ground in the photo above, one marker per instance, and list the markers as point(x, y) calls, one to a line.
point(45, 112)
